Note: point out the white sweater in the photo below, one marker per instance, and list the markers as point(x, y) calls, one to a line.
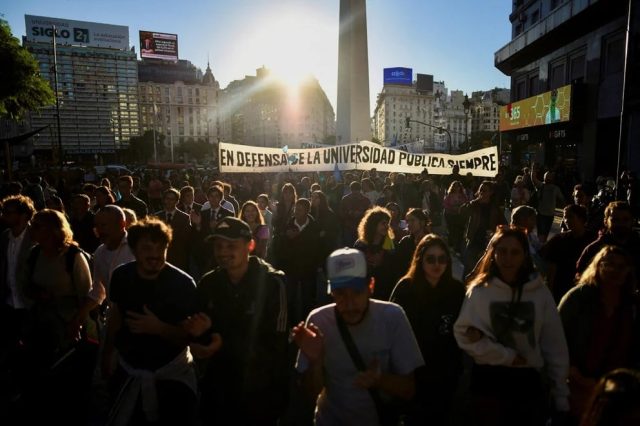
point(532, 330)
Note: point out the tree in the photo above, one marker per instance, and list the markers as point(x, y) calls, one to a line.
point(195, 149)
point(141, 147)
point(478, 140)
point(21, 87)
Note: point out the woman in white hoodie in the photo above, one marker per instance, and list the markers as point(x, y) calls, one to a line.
point(509, 325)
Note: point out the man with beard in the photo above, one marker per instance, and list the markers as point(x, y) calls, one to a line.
point(357, 352)
point(150, 302)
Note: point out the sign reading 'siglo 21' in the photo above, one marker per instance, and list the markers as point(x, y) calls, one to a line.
point(39, 29)
point(545, 108)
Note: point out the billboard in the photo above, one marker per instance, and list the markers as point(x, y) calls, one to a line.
point(424, 83)
point(39, 29)
point(158, 46)
point(545, 108)
point(398, 76)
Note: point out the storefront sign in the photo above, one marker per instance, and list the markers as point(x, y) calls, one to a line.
point(546, 108)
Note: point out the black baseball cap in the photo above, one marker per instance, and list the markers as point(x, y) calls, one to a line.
point(231, 228)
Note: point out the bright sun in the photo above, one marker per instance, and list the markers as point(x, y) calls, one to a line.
point(292, 46)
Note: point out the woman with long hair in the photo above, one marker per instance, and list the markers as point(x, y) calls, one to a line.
point(454, 199)
point(615, 400)
point(396, 223)
point(250, 213)
point(57, 282)
point(418, 225)
point(104, 196)
point(327, 221)
point(284, 208)
point(375, 239)
point(600, 322)
point(510, 327)
point(432, 298)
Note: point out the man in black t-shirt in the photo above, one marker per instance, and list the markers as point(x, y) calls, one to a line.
point(150, 301)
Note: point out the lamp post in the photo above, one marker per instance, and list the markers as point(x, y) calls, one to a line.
point(408, 121)
point(467, 107)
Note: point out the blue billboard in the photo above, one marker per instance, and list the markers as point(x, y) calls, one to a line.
point(398, 76)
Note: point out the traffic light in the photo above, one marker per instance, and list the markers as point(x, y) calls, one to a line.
point(407, 122)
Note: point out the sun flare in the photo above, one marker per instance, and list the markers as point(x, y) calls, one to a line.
point(292, 46)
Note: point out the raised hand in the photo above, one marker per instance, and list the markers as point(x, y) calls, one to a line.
point(310, 340)
point(195, 218)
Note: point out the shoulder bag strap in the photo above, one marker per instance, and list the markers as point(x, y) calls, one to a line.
point(358, 361)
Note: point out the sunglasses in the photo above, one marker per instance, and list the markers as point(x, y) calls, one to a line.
point(432, 259)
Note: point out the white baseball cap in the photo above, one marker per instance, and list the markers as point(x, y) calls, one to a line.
point(346, 268)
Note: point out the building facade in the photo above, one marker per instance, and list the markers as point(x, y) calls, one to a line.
point(394, 104)
point(485, 109)
point(579, 44)
point(435, 107)
point(178, 101)
point(97, 86)
point(262, 111)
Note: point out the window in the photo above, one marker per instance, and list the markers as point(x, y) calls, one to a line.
point(577, 64)
point(534, 85)
point(521, 89)
point(557, 75)
point(614, 54)
point(535, 16)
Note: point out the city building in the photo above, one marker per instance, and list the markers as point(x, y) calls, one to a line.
point(423, 101)
point(485, 109)
point(263, 111)
point(178, 101)
point(568, 66)
point(97, 75)
point(394, 104)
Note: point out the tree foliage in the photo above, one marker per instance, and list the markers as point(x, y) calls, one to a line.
point(21, 87)
point(195, 149)
point(141, 147)
point(479, 140)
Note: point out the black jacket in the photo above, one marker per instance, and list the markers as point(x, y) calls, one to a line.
point(432, 312)
point(247, 379)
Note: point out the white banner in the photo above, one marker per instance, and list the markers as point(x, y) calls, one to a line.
point(361, 156)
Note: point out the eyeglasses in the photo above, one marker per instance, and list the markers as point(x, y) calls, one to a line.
point(433, 259)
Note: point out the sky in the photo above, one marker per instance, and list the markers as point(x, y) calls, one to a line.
point(454, 40)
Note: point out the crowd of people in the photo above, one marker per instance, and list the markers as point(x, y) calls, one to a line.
point(326, 298)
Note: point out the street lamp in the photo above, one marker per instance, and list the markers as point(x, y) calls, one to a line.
point(467, 106)
point(408, 121)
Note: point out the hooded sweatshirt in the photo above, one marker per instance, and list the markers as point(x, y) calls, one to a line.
point(531, 328)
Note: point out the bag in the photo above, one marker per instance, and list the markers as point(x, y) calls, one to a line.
point(90, 331)
point(386, 414)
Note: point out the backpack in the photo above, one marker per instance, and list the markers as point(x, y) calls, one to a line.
point(90, 329)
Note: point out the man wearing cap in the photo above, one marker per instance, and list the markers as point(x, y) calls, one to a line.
point(244, 309)
point(357, 353)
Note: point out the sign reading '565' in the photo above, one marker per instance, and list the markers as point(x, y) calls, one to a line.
point(545, 108)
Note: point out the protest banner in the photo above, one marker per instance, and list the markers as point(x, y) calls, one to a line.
point(361, 156)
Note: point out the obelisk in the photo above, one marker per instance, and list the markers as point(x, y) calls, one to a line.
point(353, 121)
